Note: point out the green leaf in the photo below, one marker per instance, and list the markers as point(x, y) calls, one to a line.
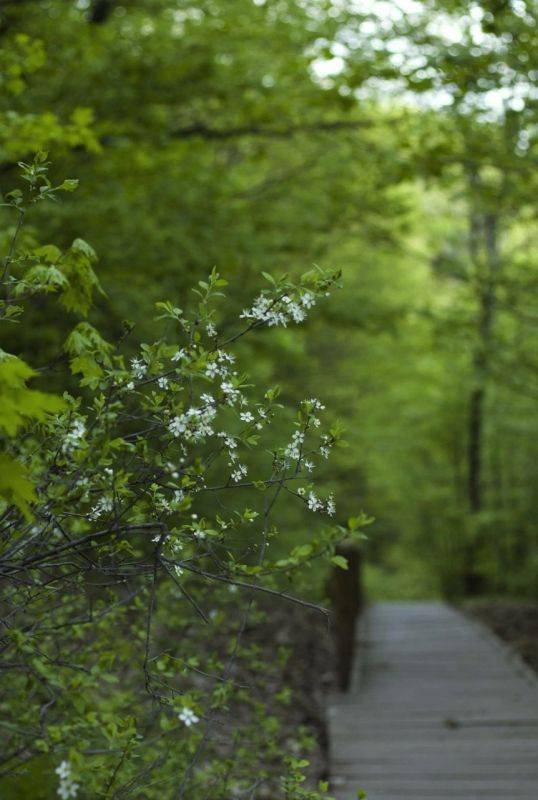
point(15, 485)
point(49, 253)
point(80, 246)
point(83, 282)
point(170, 311)
point(302, 551)
point(88, 351)
point(19, 404)
point(42, 278)
point(69, 185)
point(339, 561)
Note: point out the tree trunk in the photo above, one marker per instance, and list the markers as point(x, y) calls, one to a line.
point(483, 248)
point(476, 413)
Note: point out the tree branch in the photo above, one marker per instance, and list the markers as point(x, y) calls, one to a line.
point(206, 132)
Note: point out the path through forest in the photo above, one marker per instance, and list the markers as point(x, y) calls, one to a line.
point(439, 709)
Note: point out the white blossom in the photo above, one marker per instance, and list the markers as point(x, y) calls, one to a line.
point(223, 356)
point(63, 770)
point(178, 425)
point(67, 788)
point(138, 368)
point(230, 392)
point(172, 469)
point(330, 506)
point(307, 299)
point(162, 504)
point(246, 416)
point(211, 330)
point(296, 312)
point(231, 444)
point(103, 506)
point(194, 424)
point(181, 355)
point(239, 472)
point(83, 481)
point(313, 502)
point(279, 311)
point(73, 437)
point(259, 310)
point(162, 382)
point(293, 450)
point(188, 717)
point(175, 545)
point(308, 465)
point(212, 369)
point(316, 405)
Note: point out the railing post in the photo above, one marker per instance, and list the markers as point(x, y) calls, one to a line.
point(344, 588)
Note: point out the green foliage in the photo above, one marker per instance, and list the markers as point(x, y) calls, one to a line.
point(34, 271)
point(339, 561)
point(111, 495)
point(16, 487)
point(258, 138)
point(19, 406)
point(19, 403)
point(89, 353)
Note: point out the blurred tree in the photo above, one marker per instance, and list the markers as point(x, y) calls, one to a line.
point(471, 70)
point(395, 143)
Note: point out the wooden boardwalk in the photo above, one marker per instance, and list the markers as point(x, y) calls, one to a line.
point(439, 710)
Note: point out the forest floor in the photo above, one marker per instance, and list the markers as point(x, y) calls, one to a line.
point(308, 673)
point(514, 622)
point(293, 688)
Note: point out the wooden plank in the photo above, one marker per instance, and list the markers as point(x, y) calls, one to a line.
point(442, 710)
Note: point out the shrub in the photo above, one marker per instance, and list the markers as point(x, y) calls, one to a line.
point(137, 525)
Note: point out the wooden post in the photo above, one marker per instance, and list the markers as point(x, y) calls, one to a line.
point(344, 588)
